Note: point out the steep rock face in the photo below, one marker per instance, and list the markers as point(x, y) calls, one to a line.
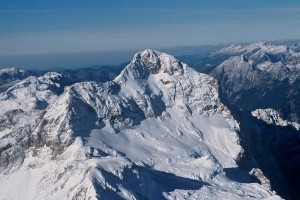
point(22, 104)
point(157, 131)
point(22, 108)
point(272, 144)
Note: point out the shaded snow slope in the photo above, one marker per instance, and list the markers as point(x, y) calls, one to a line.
point(157, 131)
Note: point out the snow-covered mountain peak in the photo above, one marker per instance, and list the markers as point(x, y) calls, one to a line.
point(161, 76)
point(157, 131)
point(153, 85)
point(149, 62)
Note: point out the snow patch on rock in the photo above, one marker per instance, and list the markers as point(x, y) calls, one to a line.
point(271, 116)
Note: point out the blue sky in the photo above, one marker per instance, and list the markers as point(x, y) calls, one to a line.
point(60, 26)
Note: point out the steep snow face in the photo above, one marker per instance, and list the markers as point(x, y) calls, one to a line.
point(158, 131)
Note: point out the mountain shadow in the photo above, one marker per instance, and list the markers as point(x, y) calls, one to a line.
point(146, 183)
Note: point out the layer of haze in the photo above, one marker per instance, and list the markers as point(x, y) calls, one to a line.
point(35, 33)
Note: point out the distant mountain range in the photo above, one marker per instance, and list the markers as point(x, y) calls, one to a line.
point(258, 75)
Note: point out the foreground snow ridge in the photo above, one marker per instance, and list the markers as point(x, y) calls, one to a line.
point(158, 131)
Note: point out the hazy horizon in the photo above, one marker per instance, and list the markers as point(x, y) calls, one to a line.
point(105, 58)
point(87, 59)
point(39, 33)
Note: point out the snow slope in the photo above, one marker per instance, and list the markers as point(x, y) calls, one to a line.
point(157, 131)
